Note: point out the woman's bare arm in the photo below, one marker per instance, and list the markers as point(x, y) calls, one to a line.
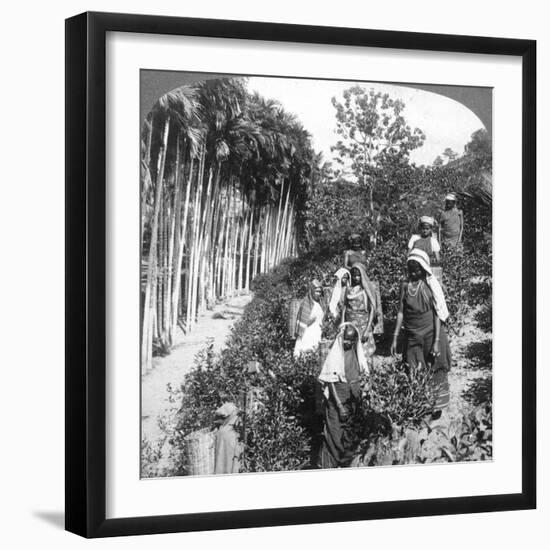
point(346, 260)
point(437, 332)
point(399, 321)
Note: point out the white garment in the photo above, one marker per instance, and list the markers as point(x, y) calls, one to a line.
point(435, 243)
point(312, 334)
point(333, 367)
point(336, 296)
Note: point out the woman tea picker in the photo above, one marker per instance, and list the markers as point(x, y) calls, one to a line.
point(423, 312)
point(309, 320)
point(356, 252)
point(360, 307)
point(343, 278)
point(341, 381)
point(425, 239)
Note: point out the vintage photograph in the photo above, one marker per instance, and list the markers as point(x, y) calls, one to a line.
point(316, 274)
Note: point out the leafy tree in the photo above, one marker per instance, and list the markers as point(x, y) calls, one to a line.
point(373, 132)
point(479, 151)
point(225, 176)
point(450, 154)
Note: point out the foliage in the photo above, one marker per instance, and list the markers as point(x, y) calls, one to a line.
point(479, 153)
point(281, 429)
point(404, 397)
point(335, 210)
point(150, 457)
point(373, 133)
point(372, 129)
point(224, 175)
point(466, 438)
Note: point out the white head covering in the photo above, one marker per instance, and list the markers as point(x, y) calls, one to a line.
point(427, 219)
point(422, 258)
point(440, 304)
point(333, 368)
point(450, 197)
point(336, 295)
point(227, 410)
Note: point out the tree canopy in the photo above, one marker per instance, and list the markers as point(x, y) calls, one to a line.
point(372, 132)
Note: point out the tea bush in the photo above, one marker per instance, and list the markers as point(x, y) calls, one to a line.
point(466, 438)
point(282, 430)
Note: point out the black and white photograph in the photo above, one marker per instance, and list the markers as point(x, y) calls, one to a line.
point(275, 276)
point(316, 274)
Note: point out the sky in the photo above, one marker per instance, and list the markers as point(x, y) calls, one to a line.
point(445, 122)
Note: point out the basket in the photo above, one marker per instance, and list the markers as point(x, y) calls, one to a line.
point(293, 308)
point(200, 452)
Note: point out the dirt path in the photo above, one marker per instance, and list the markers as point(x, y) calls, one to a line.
point(214, 324)
point(470, 379)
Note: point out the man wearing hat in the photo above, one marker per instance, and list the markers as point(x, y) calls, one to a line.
point(451, 223)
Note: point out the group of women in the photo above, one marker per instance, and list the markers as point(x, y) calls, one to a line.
point(354, 305)
point(353, 300)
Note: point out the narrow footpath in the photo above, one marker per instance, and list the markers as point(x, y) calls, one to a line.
point(215, 325)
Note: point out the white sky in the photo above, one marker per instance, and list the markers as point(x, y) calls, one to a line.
point(445, 122)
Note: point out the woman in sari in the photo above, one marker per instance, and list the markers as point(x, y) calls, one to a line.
point(360, 308)
point(343, 278)
point(423, 312)
point(341, 381)
point(309, 320)
point(425, 239)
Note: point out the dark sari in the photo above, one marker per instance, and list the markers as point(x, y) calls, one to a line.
point(339, 440)
point(419, 324)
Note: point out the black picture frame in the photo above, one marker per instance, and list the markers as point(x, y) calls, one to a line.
point(86, 274)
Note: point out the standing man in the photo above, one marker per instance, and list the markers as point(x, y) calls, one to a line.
point(451, 223)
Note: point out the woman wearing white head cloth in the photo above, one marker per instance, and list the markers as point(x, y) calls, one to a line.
point(425, 239)
point(423, 312)
point(360, 307)
point(343, 278)
point(341, 379)
point(309, 320)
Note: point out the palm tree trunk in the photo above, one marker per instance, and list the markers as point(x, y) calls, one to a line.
point(203, 244)
point(181, 231)
point(226, 259)
point(146, 166)
point(249, 248)
point(235, 235)
point(219, 247)
point(257, 241)
point(273, 243)
point(242, 234)
point(150, 290)
point(265, 243)
point(281, 230)
point(195, 273)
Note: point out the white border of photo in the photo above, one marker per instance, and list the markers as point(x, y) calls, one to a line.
point(127, 494)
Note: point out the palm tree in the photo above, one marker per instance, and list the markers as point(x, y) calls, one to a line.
point(224, 175)
point(176, 108)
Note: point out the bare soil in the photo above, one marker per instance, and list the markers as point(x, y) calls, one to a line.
point(470, 378)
